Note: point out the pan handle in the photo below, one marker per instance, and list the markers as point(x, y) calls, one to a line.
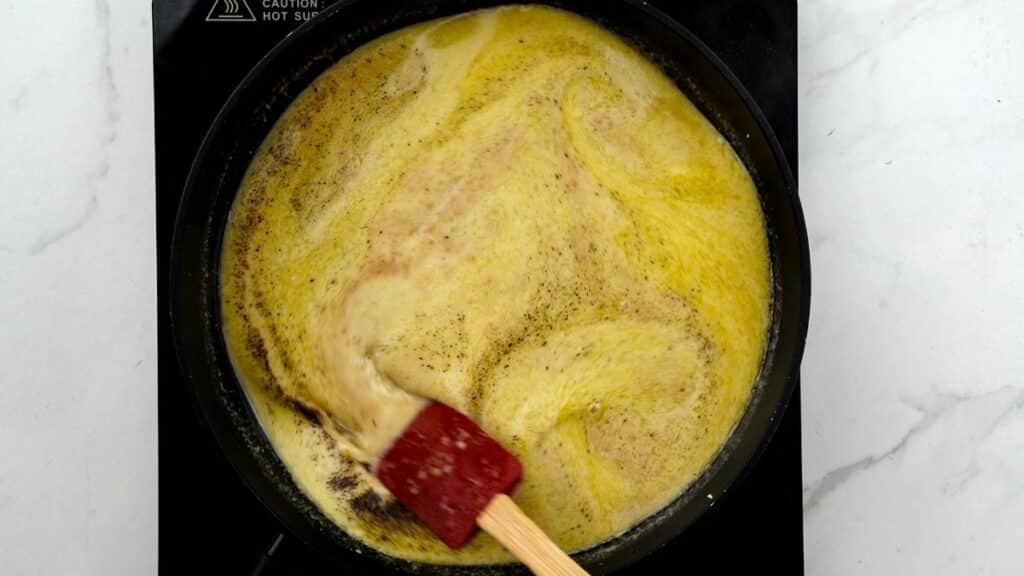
point(265, 564)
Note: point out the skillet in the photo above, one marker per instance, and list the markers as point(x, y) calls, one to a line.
point(263, 96)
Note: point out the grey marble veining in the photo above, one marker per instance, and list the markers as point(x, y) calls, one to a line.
point(911, 126)
point(78, 476)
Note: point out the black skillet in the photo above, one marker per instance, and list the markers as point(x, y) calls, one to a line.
point(266, 92)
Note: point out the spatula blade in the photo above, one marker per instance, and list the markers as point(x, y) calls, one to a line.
point(446, 469)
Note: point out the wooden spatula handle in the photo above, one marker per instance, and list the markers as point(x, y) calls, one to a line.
point(507, 523)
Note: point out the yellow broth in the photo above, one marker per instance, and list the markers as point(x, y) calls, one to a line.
point(513, 212)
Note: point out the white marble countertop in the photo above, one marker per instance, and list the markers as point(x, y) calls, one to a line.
point(911, 171)
point(911, 139)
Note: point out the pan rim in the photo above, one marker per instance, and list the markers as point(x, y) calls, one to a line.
point(602, 556)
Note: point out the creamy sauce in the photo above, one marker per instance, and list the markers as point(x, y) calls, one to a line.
point(513, 212)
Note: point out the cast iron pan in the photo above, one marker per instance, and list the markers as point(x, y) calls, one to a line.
point(266, 92)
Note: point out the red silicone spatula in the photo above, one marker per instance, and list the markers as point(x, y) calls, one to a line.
point(454, 478)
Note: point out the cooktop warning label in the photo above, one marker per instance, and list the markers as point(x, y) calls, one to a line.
point(265, 10)
point(230, 11)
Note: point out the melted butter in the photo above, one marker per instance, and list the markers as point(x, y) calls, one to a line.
point(513, 212)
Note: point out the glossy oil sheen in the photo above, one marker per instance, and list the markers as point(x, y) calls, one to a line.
point(515, 213)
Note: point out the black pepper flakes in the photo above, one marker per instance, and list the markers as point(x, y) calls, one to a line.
point(342, 482)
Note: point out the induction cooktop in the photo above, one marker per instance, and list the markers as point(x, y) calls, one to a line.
point(208, 520)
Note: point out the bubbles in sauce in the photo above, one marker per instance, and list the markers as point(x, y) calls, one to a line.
point(513, 212)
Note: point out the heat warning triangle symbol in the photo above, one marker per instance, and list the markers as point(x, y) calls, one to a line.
point(230, 11)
